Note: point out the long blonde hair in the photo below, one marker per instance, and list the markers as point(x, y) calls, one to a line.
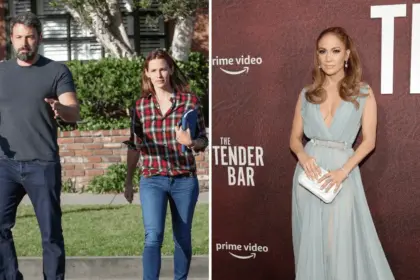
point(349, 86)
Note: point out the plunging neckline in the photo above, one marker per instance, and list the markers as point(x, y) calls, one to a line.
point(333, 117)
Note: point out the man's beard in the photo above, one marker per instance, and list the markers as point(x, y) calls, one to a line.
point(26, 56)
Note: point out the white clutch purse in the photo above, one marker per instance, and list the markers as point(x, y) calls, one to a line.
point(315, 188)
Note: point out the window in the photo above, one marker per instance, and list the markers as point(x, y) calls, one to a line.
point(64, 39)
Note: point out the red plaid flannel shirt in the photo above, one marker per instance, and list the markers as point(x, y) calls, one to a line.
point(154, 135)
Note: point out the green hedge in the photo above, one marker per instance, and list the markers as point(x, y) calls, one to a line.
point(113, 181)
point(107, 88)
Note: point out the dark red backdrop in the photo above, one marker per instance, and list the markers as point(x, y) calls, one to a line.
point(256, 109)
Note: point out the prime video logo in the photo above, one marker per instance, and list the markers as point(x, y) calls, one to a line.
point(243, 62)
point(242, 251)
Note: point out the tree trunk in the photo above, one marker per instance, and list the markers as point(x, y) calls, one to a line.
point(105, 22)
point(183, 35)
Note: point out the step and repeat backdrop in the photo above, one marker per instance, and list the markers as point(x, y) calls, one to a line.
point(262, 58)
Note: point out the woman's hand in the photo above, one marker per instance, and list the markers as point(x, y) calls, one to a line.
point(311, 168)
point(331, 179)
point(183, 136)
point(128, 190)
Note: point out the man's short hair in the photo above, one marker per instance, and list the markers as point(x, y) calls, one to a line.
point(28, 19)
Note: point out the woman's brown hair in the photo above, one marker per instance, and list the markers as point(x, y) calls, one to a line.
point(178, 80)
point(349, 86)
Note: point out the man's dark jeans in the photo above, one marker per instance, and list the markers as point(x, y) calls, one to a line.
point(41, 180)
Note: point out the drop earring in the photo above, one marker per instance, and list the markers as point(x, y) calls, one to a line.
point(345, 64)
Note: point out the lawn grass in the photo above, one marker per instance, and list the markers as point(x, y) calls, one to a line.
point(104, 231)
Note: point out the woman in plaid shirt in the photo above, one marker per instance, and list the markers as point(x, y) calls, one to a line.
point(167, 173)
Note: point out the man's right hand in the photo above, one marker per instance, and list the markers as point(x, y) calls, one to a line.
point(129, 192)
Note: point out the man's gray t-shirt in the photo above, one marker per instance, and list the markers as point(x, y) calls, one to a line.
point(28, 130)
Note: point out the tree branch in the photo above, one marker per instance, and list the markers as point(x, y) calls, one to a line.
point(105, 22)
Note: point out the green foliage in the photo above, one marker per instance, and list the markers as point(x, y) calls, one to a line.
point(69, 186)
point(102, 123)
point(108, 88)
point(197, 70)
point(113, 180)
point(173, 9)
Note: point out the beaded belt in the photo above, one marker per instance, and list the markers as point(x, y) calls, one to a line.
point(331, 144)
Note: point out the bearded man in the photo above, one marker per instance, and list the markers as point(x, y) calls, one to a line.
point(34, 91)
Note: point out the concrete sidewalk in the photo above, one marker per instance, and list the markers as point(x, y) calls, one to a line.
point(104, 199)
point(121, 268)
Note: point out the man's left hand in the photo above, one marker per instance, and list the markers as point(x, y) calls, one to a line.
point(56, 106)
